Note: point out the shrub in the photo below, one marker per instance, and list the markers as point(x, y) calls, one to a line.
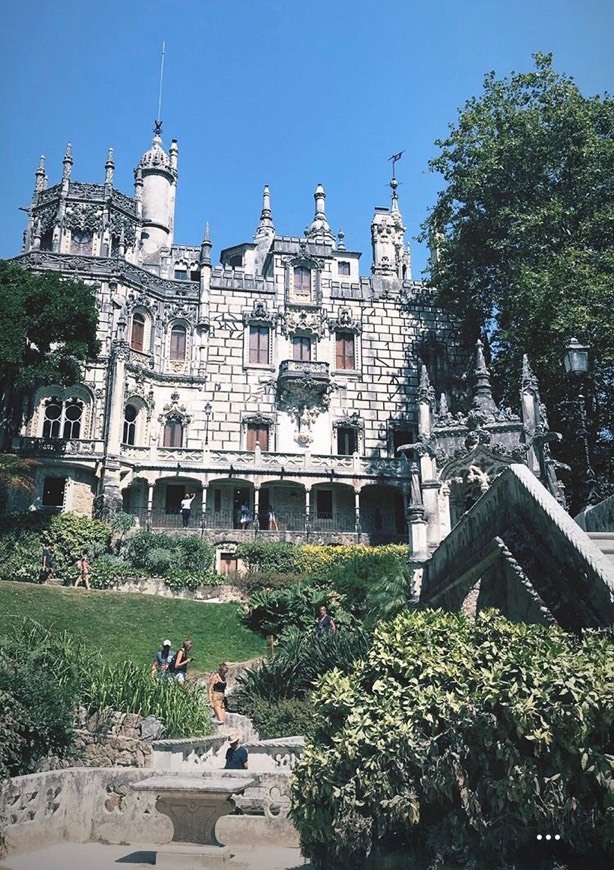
point(194, 553)
point(463, 740)
point(269, 556)
point(108, 572)
point(161, 553)
point(273, 611)
point(159, 560)
point(136, 548)
point(287, 717)
point(72, 535)
point(192, 580)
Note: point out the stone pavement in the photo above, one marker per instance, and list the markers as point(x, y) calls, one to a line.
point(94, 856)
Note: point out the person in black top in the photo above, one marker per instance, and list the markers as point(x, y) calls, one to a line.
point(47, 564)
point(217, 692)
point(236, 755)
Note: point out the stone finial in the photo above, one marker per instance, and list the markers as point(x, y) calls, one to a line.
point(67, 163)
point(122, 242)
point(173, 153)
point(482, 395)
point(394, 208)
point(319, 230)
point(40, 176)
point(426, 393)
point(528, 380)
point(265, 228)
point(109, 168)
point(205, 247)
point(341, 240)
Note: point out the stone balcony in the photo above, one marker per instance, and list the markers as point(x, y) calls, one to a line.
point(87, 448)
point(303, 381)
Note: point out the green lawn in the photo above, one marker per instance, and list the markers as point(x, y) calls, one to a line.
point(131, 627)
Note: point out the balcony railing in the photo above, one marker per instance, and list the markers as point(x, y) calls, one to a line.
point(86, 447)
point(377, 529)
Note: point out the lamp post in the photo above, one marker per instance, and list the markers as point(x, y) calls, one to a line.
point(208, 410)
point(576, 362)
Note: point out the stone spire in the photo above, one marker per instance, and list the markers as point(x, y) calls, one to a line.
point(40, 177)
point(67, 163)
point(390, 254)
point(482, 394)
point(109, 168)
point(205, 247)
point(265, 228)
point(320, 231)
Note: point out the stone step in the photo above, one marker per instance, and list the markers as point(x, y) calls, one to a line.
point(605, 542)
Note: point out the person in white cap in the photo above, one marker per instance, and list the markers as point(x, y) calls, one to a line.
point(236, 755)
point(163, 659)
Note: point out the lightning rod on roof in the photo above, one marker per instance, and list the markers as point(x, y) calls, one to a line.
point(158, 128)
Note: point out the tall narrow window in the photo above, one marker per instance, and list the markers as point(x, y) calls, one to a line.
point(301, 347)
point(343, 267)
point(137, 336)
point(345, 350)
point(53, 414)
point(173, 433)
point(302, 279)
point(347, 440)
point(259, 345)
point(130, 415)
point(73, 413)
point(257, 433)
point(178, 343)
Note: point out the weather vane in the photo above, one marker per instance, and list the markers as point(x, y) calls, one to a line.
point(394, 159)
point(158, 122)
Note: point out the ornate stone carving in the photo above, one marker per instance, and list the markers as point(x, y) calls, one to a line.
point(82, 216)
point(345, 321)
point(175, 409)
point(349, 421)
point(120, 223)
point(303, 320)
point(259, 313)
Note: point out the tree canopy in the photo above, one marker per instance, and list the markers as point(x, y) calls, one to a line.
point(47, 329)
point(522, 236)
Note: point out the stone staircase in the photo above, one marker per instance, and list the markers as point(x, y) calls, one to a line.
point(605, 542)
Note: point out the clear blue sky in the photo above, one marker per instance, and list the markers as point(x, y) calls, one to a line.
point(284, 92)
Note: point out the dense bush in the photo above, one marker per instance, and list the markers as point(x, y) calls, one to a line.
point(276, 694)
point(160, 553)
point(462, 740)
point(270, 556)
point(272, 611)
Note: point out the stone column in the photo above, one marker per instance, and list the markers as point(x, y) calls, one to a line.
point(357, 512)
point(307, 510)
point(256, 508)
point(111, 489)
point(150, 495)
point(203, 520)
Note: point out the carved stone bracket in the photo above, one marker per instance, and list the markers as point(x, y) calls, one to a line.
point(296, 320)
point(345, 321)
point(259, 313)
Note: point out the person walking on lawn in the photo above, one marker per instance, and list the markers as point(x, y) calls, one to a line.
point(163, 659)
point(182, 660)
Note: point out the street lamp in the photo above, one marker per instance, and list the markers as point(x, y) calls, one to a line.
point(576, 365)
point(208, 410)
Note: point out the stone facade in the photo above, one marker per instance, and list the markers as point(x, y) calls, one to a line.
point(280, 378)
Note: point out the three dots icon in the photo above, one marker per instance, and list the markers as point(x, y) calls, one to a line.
point(548, 837)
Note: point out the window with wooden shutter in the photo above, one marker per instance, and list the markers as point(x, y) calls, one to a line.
point(345, 347)
point(137, 335)
point(178, 343)
point(301, 348)
point(257, 433)
point(259, 345)
point(173, 433)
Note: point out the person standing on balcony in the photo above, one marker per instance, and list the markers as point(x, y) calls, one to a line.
point(186, 508)
point(272, 520)
point(245, 516)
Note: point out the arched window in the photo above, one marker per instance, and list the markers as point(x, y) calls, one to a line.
point(53, 416)
point(302, 279)
point(130, 415)
point(178, 343)
point(63, 418)
point(73, 413)
point(173, 432)
point(137, 335)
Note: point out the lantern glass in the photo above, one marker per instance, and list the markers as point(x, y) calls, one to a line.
point(576, 358)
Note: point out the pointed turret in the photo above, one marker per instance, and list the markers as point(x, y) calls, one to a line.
point(482, 394)
point(156, 173)
point(265, 228)
point(319, 231)
point(205, 247)
point(40, 178)
point(390, 255)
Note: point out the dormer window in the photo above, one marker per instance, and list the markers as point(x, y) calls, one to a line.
point(302, 280)
point(236, 261)
point(343, 268)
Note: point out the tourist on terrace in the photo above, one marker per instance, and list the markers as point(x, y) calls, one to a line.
point(186, 508)
point(236, 755)
point(217, 693)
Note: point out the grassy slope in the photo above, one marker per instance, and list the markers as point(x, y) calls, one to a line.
point(127, 627)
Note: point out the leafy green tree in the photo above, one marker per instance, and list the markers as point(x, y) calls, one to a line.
point(522, 238)
point(458, 741)
point(47, 330)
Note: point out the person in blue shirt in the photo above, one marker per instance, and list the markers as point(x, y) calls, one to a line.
point(325, 624)
point(162, 660)
point(236, 755)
